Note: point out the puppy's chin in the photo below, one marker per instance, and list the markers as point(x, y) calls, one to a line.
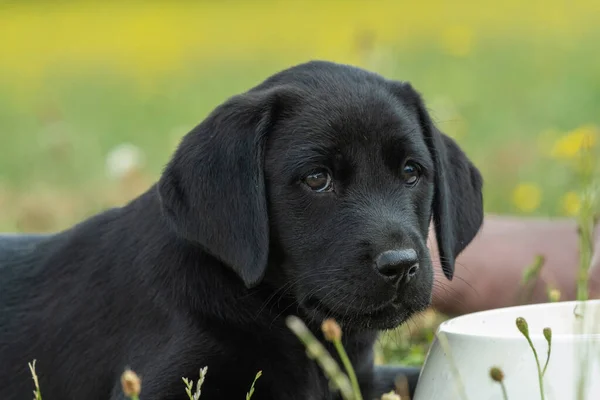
point(384, 317)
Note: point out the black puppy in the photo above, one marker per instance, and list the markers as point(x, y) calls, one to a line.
point(310, 194)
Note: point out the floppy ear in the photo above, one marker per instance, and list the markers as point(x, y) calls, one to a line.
point(212, 191)
point(458, 199)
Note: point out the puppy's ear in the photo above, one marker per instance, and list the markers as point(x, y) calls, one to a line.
point(458, 199)
point(213, 191)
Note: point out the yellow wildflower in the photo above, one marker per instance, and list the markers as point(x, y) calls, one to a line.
point(569, 146)
point(527, 197)
point(571, 203)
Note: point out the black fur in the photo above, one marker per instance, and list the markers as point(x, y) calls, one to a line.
point(202, 269)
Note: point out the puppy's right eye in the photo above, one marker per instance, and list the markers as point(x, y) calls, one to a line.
point(319, 181)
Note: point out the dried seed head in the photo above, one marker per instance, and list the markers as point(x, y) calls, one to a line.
point(548, 334)
point(331, 330)
point(522, 326)
point(496, 374)
point(391, 396)
point(203, 372)
point(131, 383)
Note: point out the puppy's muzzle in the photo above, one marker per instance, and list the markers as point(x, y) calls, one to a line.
point(399, 265)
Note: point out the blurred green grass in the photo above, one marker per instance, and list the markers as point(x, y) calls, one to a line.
point(507, 83)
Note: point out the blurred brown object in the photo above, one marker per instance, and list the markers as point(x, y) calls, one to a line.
point(489, 272)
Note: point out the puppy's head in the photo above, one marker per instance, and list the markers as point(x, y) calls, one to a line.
point(335, 173)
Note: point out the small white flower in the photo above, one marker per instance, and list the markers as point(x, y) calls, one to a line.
point(123, 159)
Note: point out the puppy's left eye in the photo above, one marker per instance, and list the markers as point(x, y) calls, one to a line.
point(411, 173)
point(319, 181)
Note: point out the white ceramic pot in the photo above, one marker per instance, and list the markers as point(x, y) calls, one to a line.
point(482, 340)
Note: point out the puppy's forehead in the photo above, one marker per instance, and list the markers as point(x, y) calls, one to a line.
point(356, 118)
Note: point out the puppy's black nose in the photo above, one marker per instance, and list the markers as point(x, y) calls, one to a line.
point(398, 264)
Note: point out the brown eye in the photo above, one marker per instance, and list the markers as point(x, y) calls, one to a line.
point(411, 173)
point(319, 181)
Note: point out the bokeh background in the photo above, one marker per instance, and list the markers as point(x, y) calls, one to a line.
point(94, 96)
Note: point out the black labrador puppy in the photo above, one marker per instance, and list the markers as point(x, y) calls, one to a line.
point(310, 194)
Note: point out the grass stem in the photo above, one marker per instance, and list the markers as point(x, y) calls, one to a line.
point(348, 366)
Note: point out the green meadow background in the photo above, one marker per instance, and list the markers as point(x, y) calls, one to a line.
point(94, 96)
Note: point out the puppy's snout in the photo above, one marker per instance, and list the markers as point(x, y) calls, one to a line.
point(402, 265)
